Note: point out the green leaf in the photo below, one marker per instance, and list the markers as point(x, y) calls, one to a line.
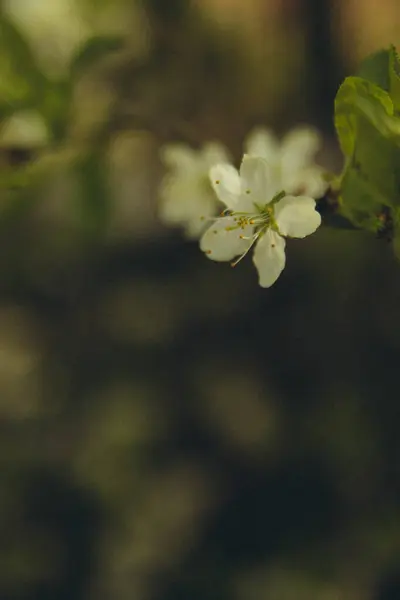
point(369, 134)
point(94, 50)
point(358, 97)
point(375, 69)
point(394, 77)
point(24, 86)
point(378, 160)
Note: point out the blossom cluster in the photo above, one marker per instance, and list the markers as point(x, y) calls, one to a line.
point(271, 197)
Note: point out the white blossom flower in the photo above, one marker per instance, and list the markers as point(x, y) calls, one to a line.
point(256, 215)
point(186, 195)
point(292, 160)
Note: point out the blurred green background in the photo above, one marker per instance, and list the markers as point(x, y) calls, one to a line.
point(169, 430)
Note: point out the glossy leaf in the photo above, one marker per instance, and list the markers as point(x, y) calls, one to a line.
point(358, 97)
point(369, 134)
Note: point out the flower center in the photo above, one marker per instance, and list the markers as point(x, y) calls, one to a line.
point(262, 219)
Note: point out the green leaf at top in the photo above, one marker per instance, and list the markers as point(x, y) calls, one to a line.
point(375, 69)
point(369, 134)
point(383, 69)
point(356, 98)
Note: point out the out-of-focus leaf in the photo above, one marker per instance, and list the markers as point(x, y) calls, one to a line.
point(55, 107)
point(95, 49)
point(23, 71)
point(24, 86)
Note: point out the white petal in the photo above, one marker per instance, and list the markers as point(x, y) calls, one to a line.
point(256, 178)
point(222, 241)
point(298, 149)
point(226, 183)
point(296, 216)
point(180, 157)
point(262, 142)
point(214, 153)
point(269, 258)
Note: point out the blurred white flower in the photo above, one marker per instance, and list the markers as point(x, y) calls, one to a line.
point(186, 194)
point(291, 160)
point(259, 214)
